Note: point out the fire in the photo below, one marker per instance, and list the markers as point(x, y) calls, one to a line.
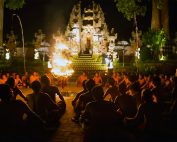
point(61, 63)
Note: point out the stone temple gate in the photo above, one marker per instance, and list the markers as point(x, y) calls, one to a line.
point(88, 36)
point(87, 30)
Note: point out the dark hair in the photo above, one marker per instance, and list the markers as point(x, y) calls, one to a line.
point(156, 81)
point(147, 95)
point(5, 92)
point(97, 92)
point(10, 81)
point(36, 86)
point(135, 86)
point(2, 74)
point(111, 81)
point(45, 80)
point(90, 84)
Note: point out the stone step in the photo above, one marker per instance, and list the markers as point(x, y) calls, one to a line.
point(85, 56)
point(90, 68)
point(85, 61)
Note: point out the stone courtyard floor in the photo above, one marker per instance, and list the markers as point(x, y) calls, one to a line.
point(68, 131)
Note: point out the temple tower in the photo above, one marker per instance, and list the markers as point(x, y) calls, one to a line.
point(87, 30)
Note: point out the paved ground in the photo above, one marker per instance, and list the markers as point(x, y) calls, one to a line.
point(68, 131)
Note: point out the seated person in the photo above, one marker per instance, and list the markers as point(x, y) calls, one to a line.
point(81, 78)
point(113, 90)
point(18, 81)
point(102, 122)
point(127, 103)
point(52, 91)
point(97, 78)
point(149, 113)
point(16, 90)
point(79, 94)
point(83, 100)
point(3, 78)
point(17, 121)
point(42, 104)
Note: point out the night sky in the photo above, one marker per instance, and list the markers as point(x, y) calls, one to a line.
point(53, 15)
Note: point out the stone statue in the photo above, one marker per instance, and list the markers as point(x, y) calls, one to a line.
point(39, 38)
point(11, 43)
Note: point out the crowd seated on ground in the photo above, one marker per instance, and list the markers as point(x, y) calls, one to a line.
point(35, 113)
point(101, 122)
point(146, 103)
point(148, 117)
point(17, 121)
point(139, 99)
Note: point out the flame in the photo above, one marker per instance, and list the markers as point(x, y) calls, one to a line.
point(61, 46)
point(62, 66)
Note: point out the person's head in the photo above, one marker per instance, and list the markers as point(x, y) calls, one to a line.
point(115, 73)
point(36, 86)
point(35, 73)
point(111, 81)
point(3, 76)
point(140, 76)
point(96, 74)
point(17, 76)
point(97, 93)
point(156, 81)
point(5, 93)
point(11, 82)
point(147, 95)
point(84, 73)
point(45, 81)
point(135, 87)
point(90, 84)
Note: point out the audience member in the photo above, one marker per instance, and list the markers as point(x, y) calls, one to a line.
point(43, 105)
point(17, 121)
point(74, 102)
point(81, 78)
point(3, 78)
point(15, 89)
point(148, 115)
point(113, 90)
point(52, 91)
point(101, 121)
point(97, 78)
point(33, 77)
point(18, 81)
point(83, 100)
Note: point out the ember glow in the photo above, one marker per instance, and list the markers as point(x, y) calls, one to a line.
point(61, 63)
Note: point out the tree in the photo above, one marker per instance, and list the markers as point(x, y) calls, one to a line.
point(165, 17)
point(160, 15)
point(11, 4)
point(131, 9)
point(154, 41)
point(160, 12)
point(155, 19)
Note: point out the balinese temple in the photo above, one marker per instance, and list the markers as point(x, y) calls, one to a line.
point(89, 37)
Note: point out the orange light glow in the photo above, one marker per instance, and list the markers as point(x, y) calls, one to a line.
point(61, 63)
